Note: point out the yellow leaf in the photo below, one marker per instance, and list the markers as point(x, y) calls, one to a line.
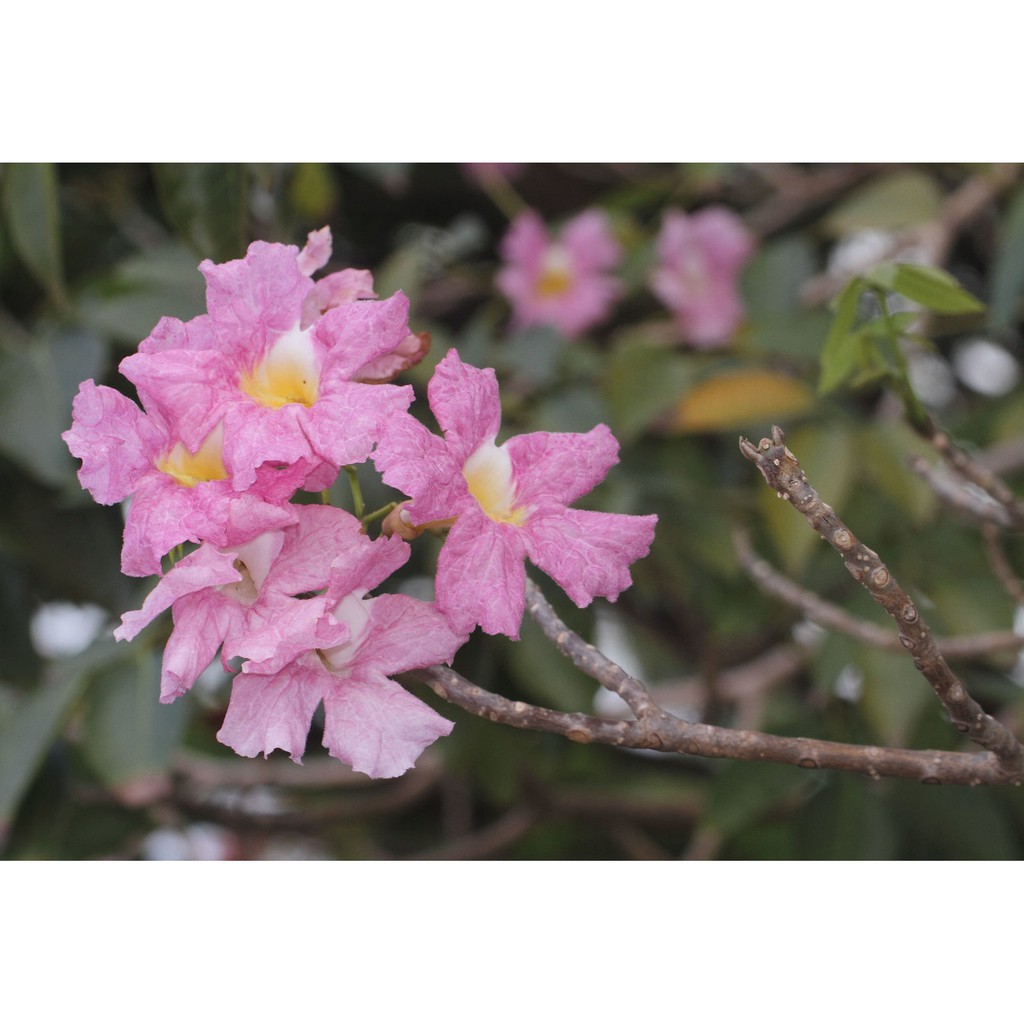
point(738, 398)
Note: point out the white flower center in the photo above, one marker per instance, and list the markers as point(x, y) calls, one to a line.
point(488, 473)
point(355, 613)
point(287, 373)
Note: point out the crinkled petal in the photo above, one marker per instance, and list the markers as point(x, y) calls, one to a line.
point(256, 299)
point(350, 418)
point(553, 470)
point(365, 565)
point(480, 576)
point(202, 622)
point(347, 285)
point(588, 554)
point(373, 724)
point(158, 519)
point(316, 252)
point(114, 440)
point(418, 463)
point(256, 434)
point(408, 354)
point(356, 333)
point(281, 630)
point(322, 534)
point(404, 634)
point(205, 567)
point(187, 388)
point(170, 333)
point(270, 712)
point(465, 402)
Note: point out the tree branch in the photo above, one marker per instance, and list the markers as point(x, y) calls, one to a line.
point(588, 658)
point(783, 474)
point(667, 733)
point(830, 615)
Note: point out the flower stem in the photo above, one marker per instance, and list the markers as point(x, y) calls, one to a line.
point(371, 517)
point(357, 492)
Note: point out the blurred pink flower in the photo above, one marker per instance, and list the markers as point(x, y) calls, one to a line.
point(699, 259)
point(563, 282)
point(484, 173)
point(508, 503)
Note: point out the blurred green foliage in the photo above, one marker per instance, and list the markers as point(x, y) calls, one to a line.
point(92, 766)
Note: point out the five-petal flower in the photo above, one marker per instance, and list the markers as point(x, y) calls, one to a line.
point(507, 503)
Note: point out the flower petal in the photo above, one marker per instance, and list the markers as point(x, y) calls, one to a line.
point(465, 402)
point(553, 470)
point(374, 725)
point(270, 712)
point(588, 554)
point(205, 567)
point(480, 576)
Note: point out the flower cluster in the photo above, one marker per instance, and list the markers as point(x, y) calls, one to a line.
point(566, 281)
point(278, 386)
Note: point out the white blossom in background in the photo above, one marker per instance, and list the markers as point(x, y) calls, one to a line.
point(60, 629)
point(986, 367)
point(200, 841)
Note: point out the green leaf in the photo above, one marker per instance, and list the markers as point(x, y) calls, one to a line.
point(28, 732)
point(894, 695)
point(641, 383)
point(37, 385)
point(1008, 267)
point(928, 286)
point(126, 305)
point(895, 200)
point(129, 735)
point(847, 820)
point(745, 792)
point(954, 822)
point(208, 206)
point(31, 208)
point(842, 354)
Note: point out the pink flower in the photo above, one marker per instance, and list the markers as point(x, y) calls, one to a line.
point(346, 286)
point(340, 648)
point(280, 377)
point(509, 502)
point(177, 494)
point(212, 590)
point(292, 602)
point(483, 173)
point(699, 259)
point(565, 282)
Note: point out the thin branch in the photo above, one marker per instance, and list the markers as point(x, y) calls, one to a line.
point(667, 733)
point(1000, 563)
point(784, 475)
point(832, 616)
point(487, 841)
point(975, 471)
point(960, 495)
point(588, 658)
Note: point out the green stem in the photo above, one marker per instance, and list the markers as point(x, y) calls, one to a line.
point(916, 412)
point(371, 517)
point(357, 492)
